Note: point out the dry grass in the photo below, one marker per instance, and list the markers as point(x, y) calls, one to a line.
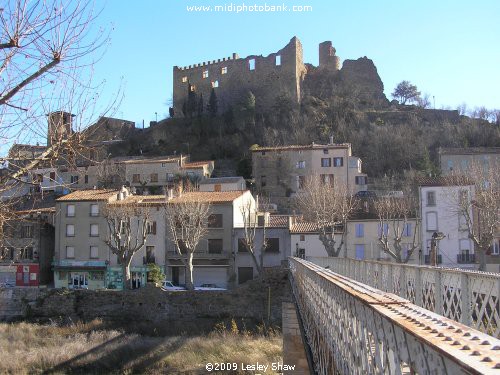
point(86, 348)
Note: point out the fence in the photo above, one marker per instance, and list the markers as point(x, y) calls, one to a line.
point(468, 297)
point(352, 328)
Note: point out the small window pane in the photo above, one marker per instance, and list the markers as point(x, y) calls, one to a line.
point(70, 210)
point(70, 252)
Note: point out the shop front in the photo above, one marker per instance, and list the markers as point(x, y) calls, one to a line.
point(80, 275)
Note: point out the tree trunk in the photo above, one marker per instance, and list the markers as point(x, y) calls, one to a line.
point(189, 272)
point(482, 259)
point(329, 245)
point(126, 274)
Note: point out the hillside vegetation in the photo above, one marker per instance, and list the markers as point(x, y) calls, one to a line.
point(388, 137)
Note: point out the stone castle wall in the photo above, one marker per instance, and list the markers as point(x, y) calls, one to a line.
point(277, 74)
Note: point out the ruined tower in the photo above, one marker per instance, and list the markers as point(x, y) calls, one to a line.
point(327, 56)
point(59, 127)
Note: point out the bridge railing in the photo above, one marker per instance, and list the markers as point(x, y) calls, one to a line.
point(352, 328)
point(468, 297)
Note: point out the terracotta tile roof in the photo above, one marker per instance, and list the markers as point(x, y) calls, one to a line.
point(312, 146)
point(142, 200)
point(304, 227)
point(89, 195)
point(278, 221)
point(469, 150)
point(208, 196)
point(444, 181)
point(197, 164)
point(221, 180)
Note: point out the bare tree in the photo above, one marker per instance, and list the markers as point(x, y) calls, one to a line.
point(395, 222)
point(127, 231)
point(329, 208)
point(187, 219)
point(480, 211)
point(249, 211)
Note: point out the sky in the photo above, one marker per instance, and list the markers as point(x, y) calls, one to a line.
point(449, 49)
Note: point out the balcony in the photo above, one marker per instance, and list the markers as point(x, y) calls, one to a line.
point(427, 259)
point(466, 258)
point(201, 254)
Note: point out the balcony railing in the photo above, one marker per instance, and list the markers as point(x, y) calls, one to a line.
point(427, 259)
point(466, 258)
point(202, 254)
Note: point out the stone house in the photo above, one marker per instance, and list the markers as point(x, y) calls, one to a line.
point(279, 172)
point(214, 257)
point(439, 210)
point(28, 248)
point(274, 229)
point(223, 184)
point(453, 160)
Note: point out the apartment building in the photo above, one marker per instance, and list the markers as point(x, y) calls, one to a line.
point(223, 184)
point(439, 210)
point(279, 172)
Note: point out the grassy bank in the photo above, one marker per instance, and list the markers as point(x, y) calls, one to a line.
point(86, 348)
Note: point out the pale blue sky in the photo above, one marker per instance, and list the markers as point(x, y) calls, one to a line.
point(449, 49)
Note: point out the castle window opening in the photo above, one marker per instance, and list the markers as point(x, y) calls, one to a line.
point(223, 70)
point(278, 60)
point(184, 79)
point(192, 88)
point(205, 74)
point(215, 84)
point(251, 64)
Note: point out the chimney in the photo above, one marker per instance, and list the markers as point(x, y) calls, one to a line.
point(331, 139)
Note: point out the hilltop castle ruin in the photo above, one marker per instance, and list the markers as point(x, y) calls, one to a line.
point(279, 74)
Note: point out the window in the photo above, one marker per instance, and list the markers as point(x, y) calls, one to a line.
point(192, 88)
point(272, 245)
point(27, 253)
point(215, 246)
point(251, 64)
point(215, 221)
point(450, 165)
point(278, 60)
point(26, 231)
point(184, 79)
point(154, 177)
point(223, 70)
point(360, 230)
point(94, 230)
point(325, 151)
point(360, 180)
point(74, 179)
point(205, 74)
point(86, 179)
point(70, 210)
point(431, 198)
point(70, 252)
point(300, 164)
point(464, 245)
point(150, 255)
point(495, 249)
point(52, 176)
point(331, 180)
point(431, 219)
point(302, 237)
point(301, 181)
point(242, 247)
point(136, 177)
point(263, 181)
point(338, 162)
point(385, 232)
point(407, 232)
point(94, 210)
point(217, 187)
point(323, 178)
point(215, 84)
point(326, 162)
point(70, 230)
point(360, 252)
point(170, 177)
point(94, 252)
point(151, 227)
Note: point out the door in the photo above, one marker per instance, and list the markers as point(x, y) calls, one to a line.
point(245, 274)
point(175, 276)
